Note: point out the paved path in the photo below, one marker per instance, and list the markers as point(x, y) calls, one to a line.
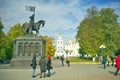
point(74, 72)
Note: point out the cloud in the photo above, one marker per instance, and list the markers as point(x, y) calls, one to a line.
point(61, 16)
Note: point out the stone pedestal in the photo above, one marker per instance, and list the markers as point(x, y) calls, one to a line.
point(25, 47)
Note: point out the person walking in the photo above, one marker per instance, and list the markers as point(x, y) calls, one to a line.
point(104, 61)
point(43, 67)
point(62, 60)
point(112, 59)
point(117, 60)
point(49, 65)
point(68, 61)
point(108, 60)
point(33, 65)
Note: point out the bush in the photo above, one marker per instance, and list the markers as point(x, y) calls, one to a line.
point(3, 53)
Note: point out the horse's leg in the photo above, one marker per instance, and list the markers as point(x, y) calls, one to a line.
point(36, 33)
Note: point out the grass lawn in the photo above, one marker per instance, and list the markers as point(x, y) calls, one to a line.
point(76, 59)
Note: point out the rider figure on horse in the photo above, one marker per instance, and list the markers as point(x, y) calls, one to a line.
point(31, 24)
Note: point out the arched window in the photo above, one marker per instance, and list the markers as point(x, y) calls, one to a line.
point(31, 48)
point(26, 47)
point(20, 49)
point(37, 48)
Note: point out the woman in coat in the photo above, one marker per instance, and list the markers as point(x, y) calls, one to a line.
point(49, 65)
point(43, 66)
point(117, 60)
point(33, 65)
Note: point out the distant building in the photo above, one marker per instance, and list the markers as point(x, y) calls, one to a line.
point(60, 47)
point(70, 49)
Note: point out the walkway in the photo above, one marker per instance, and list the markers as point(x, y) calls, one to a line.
point(74, 72)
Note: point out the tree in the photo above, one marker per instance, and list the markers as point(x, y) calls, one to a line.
point(87, 32)
point(2, 34)
point(2, 42)
point(50, 48)
point(9, 49)
point(15, 31)
point(95, 30)
point(110, 28)
point(92, 12)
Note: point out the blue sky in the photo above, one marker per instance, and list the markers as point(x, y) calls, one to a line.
point(61, 16)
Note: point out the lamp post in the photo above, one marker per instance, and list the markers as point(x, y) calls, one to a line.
point(102, 47)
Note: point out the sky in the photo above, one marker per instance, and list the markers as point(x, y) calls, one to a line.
point(61, 16)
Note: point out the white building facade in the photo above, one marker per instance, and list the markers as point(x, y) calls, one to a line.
point(60, 47)
point(71, 49)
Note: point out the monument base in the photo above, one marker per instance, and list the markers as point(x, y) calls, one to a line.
point(22, 63)
point(24, 48)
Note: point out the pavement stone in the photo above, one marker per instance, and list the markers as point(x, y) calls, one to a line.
point(76, 71)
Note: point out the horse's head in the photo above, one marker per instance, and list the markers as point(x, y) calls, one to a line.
point(41, 22)
point(38, 25)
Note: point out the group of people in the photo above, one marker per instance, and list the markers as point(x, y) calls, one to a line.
point(45, 64)
point(106, 61)
point(67, 60)
point(117, 63)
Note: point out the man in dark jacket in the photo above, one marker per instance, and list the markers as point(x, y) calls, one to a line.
point(33, 65)
point(104, 61)
point(62, 60)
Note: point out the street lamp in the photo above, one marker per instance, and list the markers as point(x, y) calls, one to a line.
point(102, 47)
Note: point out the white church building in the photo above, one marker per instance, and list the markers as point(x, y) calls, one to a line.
point(71, 49)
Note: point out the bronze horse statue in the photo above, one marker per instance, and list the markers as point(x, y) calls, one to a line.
point(28, 27)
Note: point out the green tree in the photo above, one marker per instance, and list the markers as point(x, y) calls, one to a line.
point(98, 28)
point(2, 34)
point(110, 29)
point(9, 49)
point(15, 31)
point(2, 42)
point(2, 53)
point(50, 48)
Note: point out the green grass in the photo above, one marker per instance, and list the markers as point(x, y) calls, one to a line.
point(76, 59)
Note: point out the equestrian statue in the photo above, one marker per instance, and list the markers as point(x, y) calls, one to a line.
point(32, 26)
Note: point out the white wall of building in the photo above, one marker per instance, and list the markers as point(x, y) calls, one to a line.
point(72, 49)
point(69, 50)
point(60, 47)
